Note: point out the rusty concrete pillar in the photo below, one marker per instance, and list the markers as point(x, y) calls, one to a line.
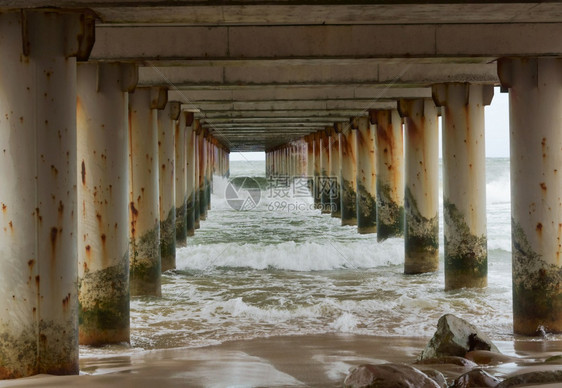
point(317, 146)
point(38, 209)
point(208, 169)
point(348, 180)
point(103, 197)
point(202, 164)
point(464, 182)
point(535, 99)
point(180, 145)
point(144, 215)
point(366, 177)
point(421, 201)
point(196, 133)
point(389, 143)
point(325, 173)
point(309, 139)
point(335, 170)
point(167, 182)
point(192, 204)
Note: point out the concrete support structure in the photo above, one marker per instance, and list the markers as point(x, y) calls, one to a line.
point(208, 168)
point(186, 122)
point(180, 145)
point(335, 168)
point(196, 176)
point(366, 176)
point(348, 188)
point(144, 215)
point(38, 209)
point(202, 184)
point(309, 139)
point(535, 97)
point(317, 167)
point(389, 142)
point(103, 196)
point(421, 201)
point(167, 182)
point(325, 173)
point(464, 183)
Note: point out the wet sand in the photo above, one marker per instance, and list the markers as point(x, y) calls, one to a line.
point(287, 361)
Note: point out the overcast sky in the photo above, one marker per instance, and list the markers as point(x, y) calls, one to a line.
point(497, 131)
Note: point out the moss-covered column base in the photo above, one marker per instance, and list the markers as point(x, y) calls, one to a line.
point(348, 204)
point(181, 225)
point(335, 200)
point(168, 241)
point(390, 214)
point(466, 255)
point(104, 305)
point(202, 204)
point(366, 211)
point(421, 238)
point(145, 264)
point(190, 216)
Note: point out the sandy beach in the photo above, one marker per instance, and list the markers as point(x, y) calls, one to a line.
point(285, 361)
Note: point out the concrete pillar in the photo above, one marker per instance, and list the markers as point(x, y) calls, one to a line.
point(38, 210)
point(389, 142)
point(317, 170)
point(535, 98)
point(196, 128)
point(325, 179)
point(421, 201)
point(180, 145)
point(144, 214)
point(464, 182)
point(366, 177)
point(202, 164)
point(191, 176)
point(309, 139)
point(208, 169)
point(348, 185)
point(335, 170)
point(167, 182)
point(103, 196)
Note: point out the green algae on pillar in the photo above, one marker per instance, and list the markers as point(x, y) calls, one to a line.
point(366, 177)
point(167, 183)
point(348, 175)
point(464, 182)
point(389, 142)
point(144, 216)
point(38, 209)
point(335, 168)
point(421, 202)
point(103, 246)
point(186, 120)
point(535, 100)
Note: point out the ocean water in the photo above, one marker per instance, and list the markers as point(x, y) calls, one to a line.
point(283, 268)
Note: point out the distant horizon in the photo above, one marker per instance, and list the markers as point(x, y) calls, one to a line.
point(497, 131)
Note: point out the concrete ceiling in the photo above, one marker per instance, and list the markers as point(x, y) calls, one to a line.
point(262, 73)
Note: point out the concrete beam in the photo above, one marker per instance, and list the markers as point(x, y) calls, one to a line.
point(276, 114)
point(167, 44)
point(303, 105)
point(284, 93)
point(318, 74)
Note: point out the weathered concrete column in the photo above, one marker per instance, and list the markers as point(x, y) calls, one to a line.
point(167, 182)
point(535, 98)
point(144, 215)
point(389, 141)
point(38, 209)
point(421, 201)
point(464, 182)
point(309, 139)
point(208, 169)
point(202, 164)
point(348, 185)
point(186, 121)
point(317, 170)
point(366, 177)
point(196, 171)
point(325, 178)
point(103, 196)
point(180, 145)
point(335, 169)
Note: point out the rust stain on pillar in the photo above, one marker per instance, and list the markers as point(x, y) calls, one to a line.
point(390, 173)
point(335, 171)
point(186, 121)
point(421, 202)
point(348, 160)
point(366, 177)
point(196, 172)
point(325, 179)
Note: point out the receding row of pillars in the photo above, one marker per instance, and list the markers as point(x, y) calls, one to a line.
point(380, 172)
point(101, 182)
